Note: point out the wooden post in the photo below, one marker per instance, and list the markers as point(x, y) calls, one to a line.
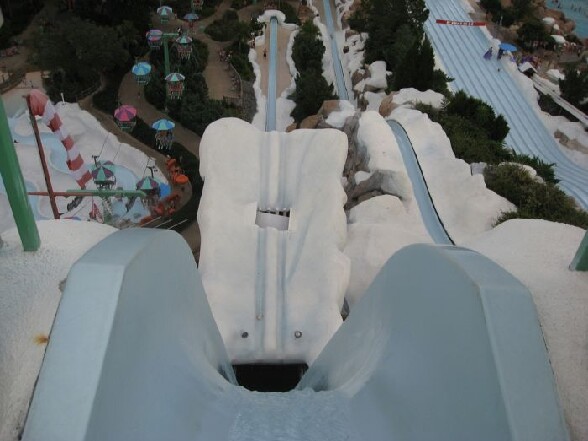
point(43, 161)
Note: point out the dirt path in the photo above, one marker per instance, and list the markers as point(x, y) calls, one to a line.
point(131, 93)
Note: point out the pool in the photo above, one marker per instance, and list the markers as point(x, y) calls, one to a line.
point(576, 10)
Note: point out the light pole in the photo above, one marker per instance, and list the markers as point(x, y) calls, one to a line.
point(15, 185)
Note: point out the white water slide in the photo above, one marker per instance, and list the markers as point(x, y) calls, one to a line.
point(461, 50)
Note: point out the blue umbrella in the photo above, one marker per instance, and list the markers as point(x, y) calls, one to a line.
point(141, 68)
point(191, 16)
point(163, 124)
point(508, 47)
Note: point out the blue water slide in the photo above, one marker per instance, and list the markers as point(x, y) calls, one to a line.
point(270, 116)
point(461, 50)
point(429, 214)
point(337, 66)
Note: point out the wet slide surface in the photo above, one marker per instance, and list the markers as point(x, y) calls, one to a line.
point(337, 67)
point(270, 122)
point(419, 186)
point(461, 50)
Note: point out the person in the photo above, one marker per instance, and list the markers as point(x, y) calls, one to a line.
point(488, 54)
point(264, 53)
point(500, 52)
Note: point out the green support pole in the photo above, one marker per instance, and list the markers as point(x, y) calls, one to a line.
point(580, 262)
point(166, 55)
point(15, 188)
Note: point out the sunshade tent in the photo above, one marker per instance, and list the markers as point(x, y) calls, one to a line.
point(508, 47)
point(141, 69)
point(191, 16)
point(163, 124)
point(164, 11)
point(148, 184)
point(125, 113)
point(175, 77)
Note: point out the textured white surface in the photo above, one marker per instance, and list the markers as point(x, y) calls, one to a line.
point(265, 282)
point(29, 296)
point(538, 253)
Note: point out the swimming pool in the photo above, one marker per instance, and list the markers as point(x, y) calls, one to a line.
point(576, 10)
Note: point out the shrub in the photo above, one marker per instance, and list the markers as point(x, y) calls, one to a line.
point(534, 200)
point(311, 90)
point(308, 49)
point(290, 12)
point(227, 28)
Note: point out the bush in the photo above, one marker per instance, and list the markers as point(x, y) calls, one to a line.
point(311, 90)
point(548, 105)
point(533, 199)
point(227, 28)
point(290, 12)
point(308, 49)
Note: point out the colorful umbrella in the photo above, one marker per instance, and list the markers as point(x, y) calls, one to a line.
point(175, 77)
point(508, 47)
point(164, 11)
point(191, 16)
point(163, 124)
point(103, 171)
point(141, 69)
point(148, 184)
point(125, 113)
point(184, 41)
point(154, 35)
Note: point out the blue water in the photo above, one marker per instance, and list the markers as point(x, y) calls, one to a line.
point(576, 10)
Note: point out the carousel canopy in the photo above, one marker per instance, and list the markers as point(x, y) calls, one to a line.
point(147, 183)
point(141, 68)
point(125, 113)
point(184, 40)
point(163, 124)
point(154, 35)
point(175, 77)
point(164, 11)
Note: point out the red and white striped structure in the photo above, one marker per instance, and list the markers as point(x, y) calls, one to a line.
point(43, 107)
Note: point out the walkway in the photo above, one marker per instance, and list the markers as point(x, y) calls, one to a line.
point(131, 93)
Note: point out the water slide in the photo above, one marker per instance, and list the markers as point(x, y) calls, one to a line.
point(337, 66)
point(429, 214)
point(445, 345)
point(461, 50)
point(270, 118)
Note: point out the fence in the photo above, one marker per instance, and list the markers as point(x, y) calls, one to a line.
point(11, 80)
point(231, 100)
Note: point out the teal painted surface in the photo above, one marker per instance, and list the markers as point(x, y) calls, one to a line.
point(16, 189)
point(580, 262)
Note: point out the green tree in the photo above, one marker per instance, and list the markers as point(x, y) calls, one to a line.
point(574, 88)
point(79, 45)
point(532, 30)
point(417, 69)
point(308, 49)
point(311, 90)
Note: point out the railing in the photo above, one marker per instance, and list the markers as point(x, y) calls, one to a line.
point(87, 92)
point(231, 100)
point(11, 80)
